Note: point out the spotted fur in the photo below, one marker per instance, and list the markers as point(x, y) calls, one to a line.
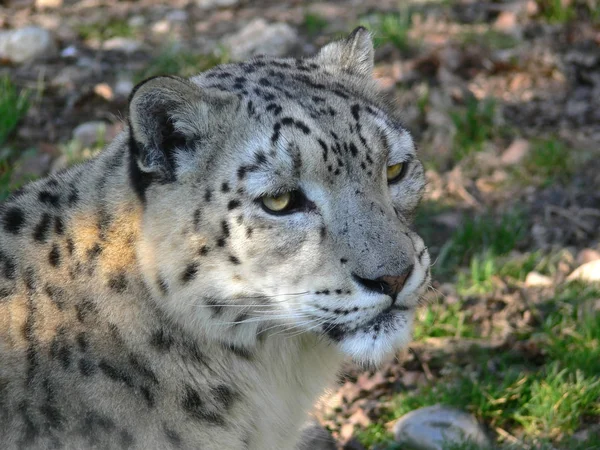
point(147, 300)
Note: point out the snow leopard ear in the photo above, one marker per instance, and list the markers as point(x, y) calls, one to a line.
point(168, 114)
point(355, 54)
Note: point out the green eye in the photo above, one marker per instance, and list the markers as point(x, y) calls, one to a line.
point(277, 203)
point(394, 172)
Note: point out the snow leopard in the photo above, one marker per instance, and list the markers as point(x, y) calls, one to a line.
point(199, 283)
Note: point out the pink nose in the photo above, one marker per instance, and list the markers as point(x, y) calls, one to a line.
point(396, 283)
point(387, 284)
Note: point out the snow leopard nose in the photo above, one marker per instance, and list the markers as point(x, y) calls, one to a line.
point(388, 284)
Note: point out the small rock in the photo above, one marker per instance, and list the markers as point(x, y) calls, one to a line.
point(69, 52)
point(137, 21)
point(536, 279)
point(177, 15)
point(315, 437)
point(122, 44)
point(432, 428)
point(506, 21)
point(587, 255)
point(90, 133)
point(48, 4)
point(123, 88)
point(104, 90)
point(589, 272)
point(161, 27)
point(208, 4)
point(26, 44)
point(515, 152)
point(260, 37)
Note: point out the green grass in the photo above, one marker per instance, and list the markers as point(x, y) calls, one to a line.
point(543, 402)
point(556, 11)
point(550, 161)
point(184, 63)
point(314, 24)
point(491, 39)
point(390, 28)
point(14, 104)
point(476, 236)
point(571, 333)
point(479, 278)
point(475, 124)
point(103, 31)
point(557, 402)
point(441, 320)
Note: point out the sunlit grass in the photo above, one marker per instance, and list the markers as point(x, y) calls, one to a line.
point(173, 60)
point(103, 31)
point(475, 124)
point(485, 233)
point(390, 28)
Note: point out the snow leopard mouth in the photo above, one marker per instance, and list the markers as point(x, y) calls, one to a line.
point(387, 321)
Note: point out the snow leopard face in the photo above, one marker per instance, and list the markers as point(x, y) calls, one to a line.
point(278, 194)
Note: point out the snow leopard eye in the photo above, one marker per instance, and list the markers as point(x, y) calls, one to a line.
point(395, 172)
point(277, 203)
point(286, 203)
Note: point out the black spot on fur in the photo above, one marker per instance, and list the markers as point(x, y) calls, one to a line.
point(260, 158)
point(54, 256)
point(73, 196)
point(13, 220)
point(30, 431)
point(207, 196)
point(49, 198)
point(161, 340)
point(118, 283)
point(94, 251)
point(234, 259)
point(85, 309)
point(190, 272)
point(82, 342)
point(126, 439)
point(335, 332)
point(57, 295)
point(355, 109)
point(162, 285)
point(94, 427)
point(225, 228)
point(86, 367)
point(203, 250)
point(192, 403)
point(215, 306)
point(70, 246)
point(325, 149)
point(173, 437)
point(221, 242)
point(10, 269)
point(30, 279)
point(40, 233)
point(238, 351)
point(59, 227)
point(225, 187)
point(148, 396)
point(224, 395)
point(115, 373)
point(233, 204)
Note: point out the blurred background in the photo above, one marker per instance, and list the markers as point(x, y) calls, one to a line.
point(503, 98)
